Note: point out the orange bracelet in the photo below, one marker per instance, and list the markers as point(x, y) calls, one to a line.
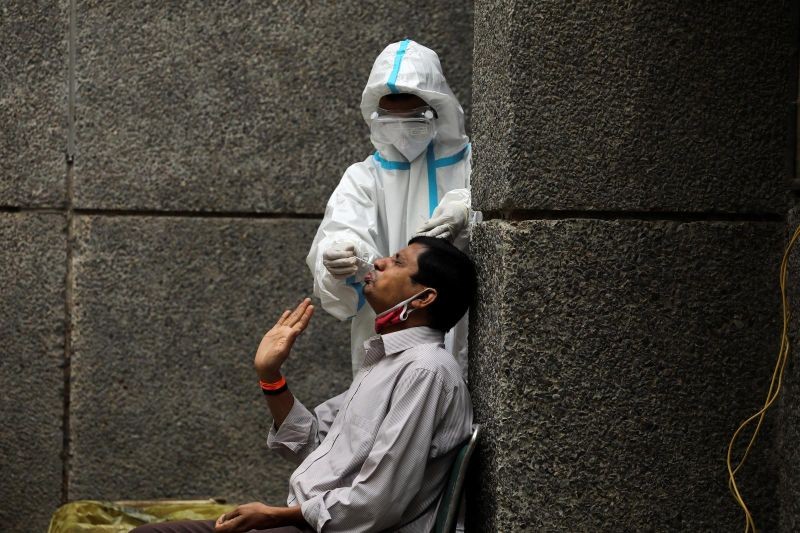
point(272, 386)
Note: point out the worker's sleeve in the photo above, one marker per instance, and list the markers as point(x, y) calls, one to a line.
point(302, 431)
point(350, 215)
point(393, 472)
point(464, 196)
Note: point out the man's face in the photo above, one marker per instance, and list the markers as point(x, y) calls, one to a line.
point(391, 281)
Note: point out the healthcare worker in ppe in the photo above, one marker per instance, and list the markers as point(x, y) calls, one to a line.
point(417, 182)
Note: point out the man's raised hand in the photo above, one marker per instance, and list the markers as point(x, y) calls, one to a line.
point(278, 342)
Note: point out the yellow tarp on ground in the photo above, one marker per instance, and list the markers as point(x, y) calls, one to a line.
point(120, 517)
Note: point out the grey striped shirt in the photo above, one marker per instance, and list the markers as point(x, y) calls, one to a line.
point(377, 456)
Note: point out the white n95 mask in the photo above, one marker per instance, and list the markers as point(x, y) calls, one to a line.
point(411, 135)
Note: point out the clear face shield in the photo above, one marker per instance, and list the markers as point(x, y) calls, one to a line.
point(408, 131)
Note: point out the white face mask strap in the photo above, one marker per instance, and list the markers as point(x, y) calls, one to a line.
point(406, 310)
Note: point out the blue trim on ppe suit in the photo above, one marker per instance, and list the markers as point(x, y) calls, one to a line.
point(391, 165)
point(359, 288)
point(396, 68)
point(432, 164)
point(433, 187)
point(453, 159)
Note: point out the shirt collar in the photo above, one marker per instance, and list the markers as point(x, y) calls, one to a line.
point(402, 340)
point(399, 341)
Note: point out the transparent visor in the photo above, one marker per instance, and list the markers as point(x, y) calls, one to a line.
point(415, 125)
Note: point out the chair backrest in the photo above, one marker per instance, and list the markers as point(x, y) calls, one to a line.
point(447, 515)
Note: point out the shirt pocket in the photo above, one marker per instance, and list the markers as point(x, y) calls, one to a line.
point(354, 444)
point(366, 424)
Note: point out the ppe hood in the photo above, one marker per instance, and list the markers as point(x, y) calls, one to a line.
point(409, 67)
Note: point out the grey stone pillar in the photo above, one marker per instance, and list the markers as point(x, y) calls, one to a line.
point(787, 452)
point(32, 261)
point(31, 375)
point(631, 163)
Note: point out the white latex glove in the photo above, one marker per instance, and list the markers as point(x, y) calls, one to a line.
point(447, 221)
point(341, 260)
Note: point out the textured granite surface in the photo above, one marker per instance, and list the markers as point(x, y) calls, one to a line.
point(33, 100)
point(168, 314)
point(642, 106)
point(32, 266)
point(611, 362)
point(788, 406)
point(238, 106)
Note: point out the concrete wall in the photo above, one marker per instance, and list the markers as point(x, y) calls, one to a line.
point(136, 281)
point(632, 160)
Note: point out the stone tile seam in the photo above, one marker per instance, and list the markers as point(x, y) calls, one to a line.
point(646, 216)
point(511, 215)
point(71, 81)
point(33, 210)
point(160, 214)
point(69, 271)
point(69, 284)
point(196, 214)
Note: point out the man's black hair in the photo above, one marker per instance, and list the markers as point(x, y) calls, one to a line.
point(451, 272)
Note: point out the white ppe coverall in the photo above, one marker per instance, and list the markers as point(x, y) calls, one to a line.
point(381, 202)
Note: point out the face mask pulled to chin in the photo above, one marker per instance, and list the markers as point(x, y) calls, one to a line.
point(396, 314)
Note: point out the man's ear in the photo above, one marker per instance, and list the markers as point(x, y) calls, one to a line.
point(425, 299)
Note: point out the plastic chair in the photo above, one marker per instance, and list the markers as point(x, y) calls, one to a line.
point(447, 515)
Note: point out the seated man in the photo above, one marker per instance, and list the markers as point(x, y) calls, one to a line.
point(377, 456)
